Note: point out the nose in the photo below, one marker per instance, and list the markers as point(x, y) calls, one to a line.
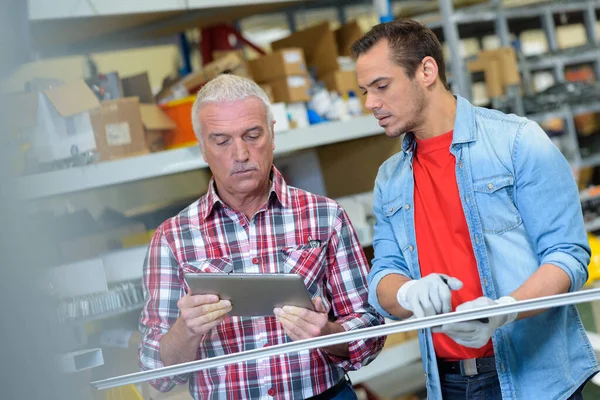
point(240, 151)
point(372, 102)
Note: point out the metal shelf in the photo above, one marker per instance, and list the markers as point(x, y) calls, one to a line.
point(591, 161)
point(478, 13)
point(181, 160)
point(592, 225)
point(98, 317)
point(566, 57)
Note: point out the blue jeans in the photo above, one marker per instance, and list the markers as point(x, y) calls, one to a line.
point(347, 393)
point(479, 387)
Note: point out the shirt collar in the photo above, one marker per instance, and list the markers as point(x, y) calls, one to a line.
point(464, 131)
point(279, 191)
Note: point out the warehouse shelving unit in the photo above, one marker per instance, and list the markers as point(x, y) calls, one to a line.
point(62, 182)
point(450, 20)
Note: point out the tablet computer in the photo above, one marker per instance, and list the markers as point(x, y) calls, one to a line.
point(252, 295)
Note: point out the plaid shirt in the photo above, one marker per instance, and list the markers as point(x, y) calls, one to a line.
point(208, 236)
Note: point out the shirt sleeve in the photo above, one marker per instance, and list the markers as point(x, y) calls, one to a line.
point(162, 289)
point(388, 257)
point(548, 200)
point(347, 270)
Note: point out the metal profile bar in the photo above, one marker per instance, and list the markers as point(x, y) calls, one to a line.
point(550, 29)
point(459, 70)
point(341, 12)
point(589, 18)
point(291, 20)
point(571, 131)
point(583, 296)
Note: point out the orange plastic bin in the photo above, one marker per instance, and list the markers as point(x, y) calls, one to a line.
point(180, 111)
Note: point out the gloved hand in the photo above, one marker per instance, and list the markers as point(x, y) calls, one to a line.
point(476, 334)
point(429, 295)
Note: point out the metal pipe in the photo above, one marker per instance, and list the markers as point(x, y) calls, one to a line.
point(344, 337)
point(458, 69)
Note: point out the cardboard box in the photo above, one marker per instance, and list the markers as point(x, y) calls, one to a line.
point(280, 63)
point(268, 90)
point(185, 86)
point(500, 69)
point(230, 63)
point(291, 89)
point(156, 124)
point(138, 85)
point(64, 127)
point(222, 53)
point(346, 35)
point(319, 46)
point(351, 167)
point(118, 129)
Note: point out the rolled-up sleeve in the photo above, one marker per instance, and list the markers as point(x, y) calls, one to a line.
point(347, 283)
point(388, 257)
point(548, 200)
point(162, 290)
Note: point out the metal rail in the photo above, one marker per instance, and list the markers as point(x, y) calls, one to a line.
point(583, 296)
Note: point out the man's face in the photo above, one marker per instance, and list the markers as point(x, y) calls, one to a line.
point(396, 100)
point(238, 145)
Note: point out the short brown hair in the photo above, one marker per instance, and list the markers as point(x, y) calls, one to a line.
point(409, 41)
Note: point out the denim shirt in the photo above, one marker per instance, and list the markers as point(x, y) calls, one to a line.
point(522, 210)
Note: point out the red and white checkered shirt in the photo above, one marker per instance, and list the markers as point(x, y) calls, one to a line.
point(208, 236)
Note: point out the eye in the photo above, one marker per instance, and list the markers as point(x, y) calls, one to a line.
point(382, 87)
point(222, 142)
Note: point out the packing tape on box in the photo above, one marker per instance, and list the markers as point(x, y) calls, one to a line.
point(540, 303)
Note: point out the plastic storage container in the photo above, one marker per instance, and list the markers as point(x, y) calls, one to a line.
point(180, 111)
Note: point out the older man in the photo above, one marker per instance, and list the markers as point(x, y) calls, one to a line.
point(251, 221)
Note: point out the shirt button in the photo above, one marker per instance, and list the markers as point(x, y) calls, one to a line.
point(271, 392)
point(468, 201)
point(255, 260)
point(391, 209)
point(407, 207)
point(411, 248)
point(460, 164)
point(490, 186)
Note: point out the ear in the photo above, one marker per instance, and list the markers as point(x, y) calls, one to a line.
point(273, 133)
point(429, 71)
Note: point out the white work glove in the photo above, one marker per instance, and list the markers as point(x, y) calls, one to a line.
point(429, 295)
point(475, 334)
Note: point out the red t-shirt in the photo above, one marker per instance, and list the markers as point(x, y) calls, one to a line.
point(443, 241)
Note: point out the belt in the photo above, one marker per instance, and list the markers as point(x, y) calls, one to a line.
point(468, 367)
point(331, 392)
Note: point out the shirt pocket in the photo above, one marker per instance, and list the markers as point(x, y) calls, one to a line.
point(209, 265)
point(497, 210)
point(307, 261)
point(395, 212)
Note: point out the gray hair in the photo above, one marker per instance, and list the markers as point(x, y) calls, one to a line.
point(227, 88)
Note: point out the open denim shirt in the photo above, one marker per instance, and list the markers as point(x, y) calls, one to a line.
point(522, 209)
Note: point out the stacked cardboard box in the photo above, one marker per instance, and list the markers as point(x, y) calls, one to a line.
point(68, 119)
point(322, 48)
point(284, 73)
